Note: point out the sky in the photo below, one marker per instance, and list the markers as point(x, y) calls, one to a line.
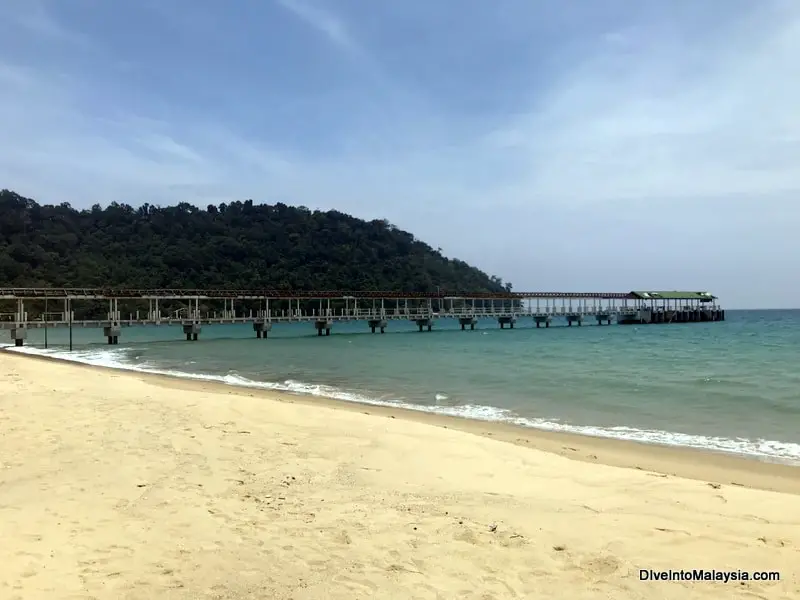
point(561, 145)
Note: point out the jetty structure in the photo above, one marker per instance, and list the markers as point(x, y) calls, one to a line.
point(55, 308)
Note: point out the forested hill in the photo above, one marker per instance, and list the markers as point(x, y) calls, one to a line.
point(236, 245)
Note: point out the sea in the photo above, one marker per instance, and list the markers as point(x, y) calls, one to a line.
point(731, 386)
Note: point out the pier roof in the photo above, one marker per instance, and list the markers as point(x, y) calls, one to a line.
point(257, 294)
point(674, 295)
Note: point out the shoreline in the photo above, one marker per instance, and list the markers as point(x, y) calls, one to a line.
point(117, 484)
point(676, 461)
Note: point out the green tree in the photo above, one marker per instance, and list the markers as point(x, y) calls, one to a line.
point(234, 245)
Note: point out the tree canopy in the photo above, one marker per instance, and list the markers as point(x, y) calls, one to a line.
point(235, 245)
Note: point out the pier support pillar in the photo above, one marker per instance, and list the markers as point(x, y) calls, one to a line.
point(323, 325)
point(628, 317)
point(464, 321)
point(574, 319)
point(19, 334)
point(262, 328)
point(542, 320)
point(380, 324)
point(507, 320)
point(422, 323)
point(192, 330)
point(112, 333)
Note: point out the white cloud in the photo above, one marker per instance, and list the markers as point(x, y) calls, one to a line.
point(672, 143)
point(323, 21)
point(708, 121)
point(633, 130)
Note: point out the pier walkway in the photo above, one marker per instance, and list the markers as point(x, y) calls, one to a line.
point(191, 309)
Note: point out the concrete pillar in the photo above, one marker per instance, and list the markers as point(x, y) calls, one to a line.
point(375, 324)
point(323, 325)
point(192, 330)
point(112, 333)
point(19, 333)
point(261, 328)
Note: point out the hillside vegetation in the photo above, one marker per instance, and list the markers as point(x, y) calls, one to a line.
point(236, 245)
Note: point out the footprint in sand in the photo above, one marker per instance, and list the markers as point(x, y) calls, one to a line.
point(467, 536)
point(665, 530)
point(602, 565)
point(775, 542)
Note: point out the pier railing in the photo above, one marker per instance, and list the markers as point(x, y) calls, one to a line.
point(192, 309)
point(359, 314)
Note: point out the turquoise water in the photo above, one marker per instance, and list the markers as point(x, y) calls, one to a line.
point(731, 386)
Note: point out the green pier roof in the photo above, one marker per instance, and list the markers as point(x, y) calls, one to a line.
point(702, 296)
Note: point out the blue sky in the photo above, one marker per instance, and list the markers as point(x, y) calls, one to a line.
point(562, 145)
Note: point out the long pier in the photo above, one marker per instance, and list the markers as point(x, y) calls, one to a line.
point(55, 307)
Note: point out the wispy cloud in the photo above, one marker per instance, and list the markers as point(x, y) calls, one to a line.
point(36, 18)
point(698, 123)
point(323, 21)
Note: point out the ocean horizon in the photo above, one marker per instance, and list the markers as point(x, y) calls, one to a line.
point(729, 386)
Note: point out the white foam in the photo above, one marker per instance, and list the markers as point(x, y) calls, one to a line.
point(785, 452)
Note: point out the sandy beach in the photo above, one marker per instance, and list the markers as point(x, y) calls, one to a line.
point(118, 485)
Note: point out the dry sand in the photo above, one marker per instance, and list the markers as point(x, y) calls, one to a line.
point(116, 485)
